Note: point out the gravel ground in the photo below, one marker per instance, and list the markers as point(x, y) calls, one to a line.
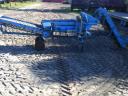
point(101, 70)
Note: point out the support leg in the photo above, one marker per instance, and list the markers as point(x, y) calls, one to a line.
point(81, 43)
point(1, 29)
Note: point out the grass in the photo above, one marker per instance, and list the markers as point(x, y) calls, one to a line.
point(17, 4)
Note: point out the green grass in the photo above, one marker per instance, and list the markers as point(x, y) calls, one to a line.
point(17, 4)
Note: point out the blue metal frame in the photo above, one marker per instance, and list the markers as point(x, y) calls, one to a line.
point(102, 12)
point(81, 27)
point(7, 21)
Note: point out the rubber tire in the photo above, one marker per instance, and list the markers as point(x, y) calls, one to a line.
point(39, 44)
point(78, 18)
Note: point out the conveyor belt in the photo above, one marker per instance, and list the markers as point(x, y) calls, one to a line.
point(18, 24)
point(122, 40)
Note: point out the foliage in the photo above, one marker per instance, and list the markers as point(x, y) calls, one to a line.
point(17, 4)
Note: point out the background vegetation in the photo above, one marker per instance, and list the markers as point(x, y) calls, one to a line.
point(17, 3)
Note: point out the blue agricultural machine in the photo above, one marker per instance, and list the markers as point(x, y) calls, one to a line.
point(79, 26)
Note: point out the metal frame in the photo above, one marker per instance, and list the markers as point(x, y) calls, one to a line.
point(102, 12)
point(80, 26)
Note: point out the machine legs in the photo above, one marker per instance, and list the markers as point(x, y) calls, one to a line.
point(81, 43)
point(39, 43)
point(2, 29)
point(81, 47)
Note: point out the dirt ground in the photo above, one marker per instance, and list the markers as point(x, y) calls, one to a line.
point(101, 70)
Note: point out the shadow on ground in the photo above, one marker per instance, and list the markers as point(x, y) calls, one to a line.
point(98, 59)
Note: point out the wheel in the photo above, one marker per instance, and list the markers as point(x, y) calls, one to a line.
point(78, 18)
point(39, 43)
